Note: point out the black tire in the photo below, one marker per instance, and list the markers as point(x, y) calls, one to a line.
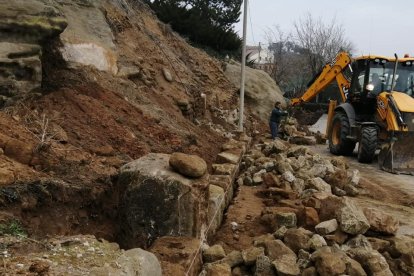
point(339, 144)
point(367, 144)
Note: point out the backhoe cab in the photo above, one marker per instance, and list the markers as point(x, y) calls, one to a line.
point(377, 109)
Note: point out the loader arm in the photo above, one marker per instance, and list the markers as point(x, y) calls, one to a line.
point(330, 72)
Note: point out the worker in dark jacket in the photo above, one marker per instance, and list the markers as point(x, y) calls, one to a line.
point(274, 120)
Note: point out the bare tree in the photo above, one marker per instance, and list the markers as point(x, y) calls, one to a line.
point(321, 42)
point(289, 67)
point(301, 55)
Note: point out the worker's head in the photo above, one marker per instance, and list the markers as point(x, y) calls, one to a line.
point(278, 104)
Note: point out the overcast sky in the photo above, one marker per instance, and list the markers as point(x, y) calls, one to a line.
point(381, 27)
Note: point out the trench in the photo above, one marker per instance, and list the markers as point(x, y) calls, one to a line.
point(56, 208)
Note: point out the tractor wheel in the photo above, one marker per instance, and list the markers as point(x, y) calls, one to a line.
point(367, 144)
point(339, 144)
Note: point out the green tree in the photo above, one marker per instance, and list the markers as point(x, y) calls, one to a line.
point(209, 23)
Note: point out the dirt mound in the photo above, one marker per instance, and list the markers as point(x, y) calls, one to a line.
point(60, 148)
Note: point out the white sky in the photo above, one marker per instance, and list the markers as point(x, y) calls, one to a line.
point(381, 27)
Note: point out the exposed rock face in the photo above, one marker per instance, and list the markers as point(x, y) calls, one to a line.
point(21, 69)
point(158, 202)
point(29, 21)
point(24, 25)
point(188, 165)
point(261, 89)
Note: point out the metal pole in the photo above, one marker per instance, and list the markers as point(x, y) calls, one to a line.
point(243, 65)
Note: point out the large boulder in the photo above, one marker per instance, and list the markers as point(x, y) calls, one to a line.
point(371, 260)
point(158, 201)
point(351, 218)
point(381, 222)
point(139, 262)
point(261, 90)
point(284, 259)
point(188, 165)
point(297, 239)
point(332, 261)
point(329, 263)
point(402, 247)
point(275, 248)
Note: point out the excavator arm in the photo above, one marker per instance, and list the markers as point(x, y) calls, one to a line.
point(331, 71)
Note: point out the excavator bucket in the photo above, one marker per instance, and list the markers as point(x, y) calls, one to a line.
point(397, 156)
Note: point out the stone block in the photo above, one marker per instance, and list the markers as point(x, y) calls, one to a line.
point(216, 206)
point(225, 182)
point(225, 169)
point(232, 156)
point(158, 202)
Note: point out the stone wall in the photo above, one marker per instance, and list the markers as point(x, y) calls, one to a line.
point(159, 202)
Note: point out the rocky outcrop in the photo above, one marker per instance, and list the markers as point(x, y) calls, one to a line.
point(30, 21)
point(261, 90)
point(24, 27)
point(158, 202)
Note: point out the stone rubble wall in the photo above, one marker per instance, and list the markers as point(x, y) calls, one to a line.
point(314, 227)
point(222, 183)
point(180, 252)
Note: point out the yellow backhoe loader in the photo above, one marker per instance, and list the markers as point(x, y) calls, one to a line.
point(376, 110)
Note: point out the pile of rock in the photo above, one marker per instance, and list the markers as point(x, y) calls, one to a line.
point(299, 134)
point(312, 231)
point(298, 170)
point(74, 255)
point(335, 246)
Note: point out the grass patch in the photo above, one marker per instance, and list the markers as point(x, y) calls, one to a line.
point(13, 228)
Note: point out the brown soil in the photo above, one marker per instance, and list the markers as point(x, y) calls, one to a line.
point(97, 122)
point(246, 211)
point(307, 117)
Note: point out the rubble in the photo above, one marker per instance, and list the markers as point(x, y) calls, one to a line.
point(317, 229)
